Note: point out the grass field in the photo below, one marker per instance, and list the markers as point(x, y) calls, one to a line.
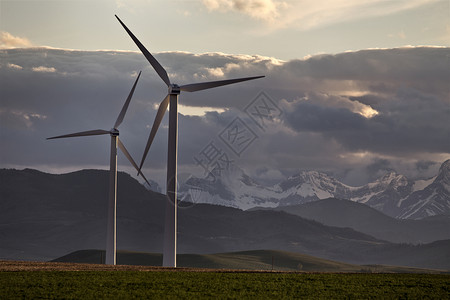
point(167, 285)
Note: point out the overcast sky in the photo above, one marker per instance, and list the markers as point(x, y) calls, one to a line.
point(355, 114)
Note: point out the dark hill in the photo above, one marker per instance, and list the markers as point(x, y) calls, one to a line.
point(360, 217)
point(245, 260)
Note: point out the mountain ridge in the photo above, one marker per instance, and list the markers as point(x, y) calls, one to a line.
point(362, 218)
point(393, 194)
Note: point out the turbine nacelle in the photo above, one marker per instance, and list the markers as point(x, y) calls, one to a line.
point(114, 132)
point(174, 89)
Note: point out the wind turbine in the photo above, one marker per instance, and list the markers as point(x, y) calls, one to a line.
point(170, 228)
point(112, 200)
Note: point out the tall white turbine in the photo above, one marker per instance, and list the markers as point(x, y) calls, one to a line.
point(170, 229)
point(111, 232)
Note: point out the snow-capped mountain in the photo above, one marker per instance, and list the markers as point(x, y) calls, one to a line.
point(310, 186)
point(385, 194)
point(433, 199)
point(393, 194)
point(233, 188)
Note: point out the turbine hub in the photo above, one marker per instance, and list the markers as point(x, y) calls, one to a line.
point(174, 89)
point(114, 132)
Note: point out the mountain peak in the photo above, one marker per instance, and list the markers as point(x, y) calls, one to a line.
point(445, 167)
point(444, 174)
point(391, 175)
point(434, 199)
point(308, 175)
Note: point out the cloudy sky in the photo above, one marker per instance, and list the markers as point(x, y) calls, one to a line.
point(353, 88)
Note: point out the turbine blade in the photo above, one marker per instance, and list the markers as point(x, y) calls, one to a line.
point(159, 116)
point(125, 106)
point(83, 133)
point(212, 84)
point(155, 64)
point(127, 154)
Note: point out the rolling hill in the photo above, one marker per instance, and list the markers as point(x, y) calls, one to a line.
point(261, 260)
point(362, 218)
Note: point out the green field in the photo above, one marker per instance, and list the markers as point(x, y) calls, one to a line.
point(131, 284)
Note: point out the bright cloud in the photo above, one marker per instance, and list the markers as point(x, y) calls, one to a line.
point(7, 40)
point(14, 66)
point(259, 9)
point(215, 72)
point(20, 119)
point(309, 14)
point(44, 69)
point(197, 111)
point(341, 102)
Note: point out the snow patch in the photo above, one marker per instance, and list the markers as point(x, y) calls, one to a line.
point(421, 184)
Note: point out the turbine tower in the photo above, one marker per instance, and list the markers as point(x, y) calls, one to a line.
point(170, 228)
point(111, 232)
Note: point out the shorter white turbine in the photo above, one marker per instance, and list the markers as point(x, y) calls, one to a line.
point(112, 200)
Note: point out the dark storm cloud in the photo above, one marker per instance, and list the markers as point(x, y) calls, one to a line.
point(56, 92)
point(415, 64)
point(408, 122)
point(378, 167)
point(393, 104)
point(424, 165)
point(306, 115)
